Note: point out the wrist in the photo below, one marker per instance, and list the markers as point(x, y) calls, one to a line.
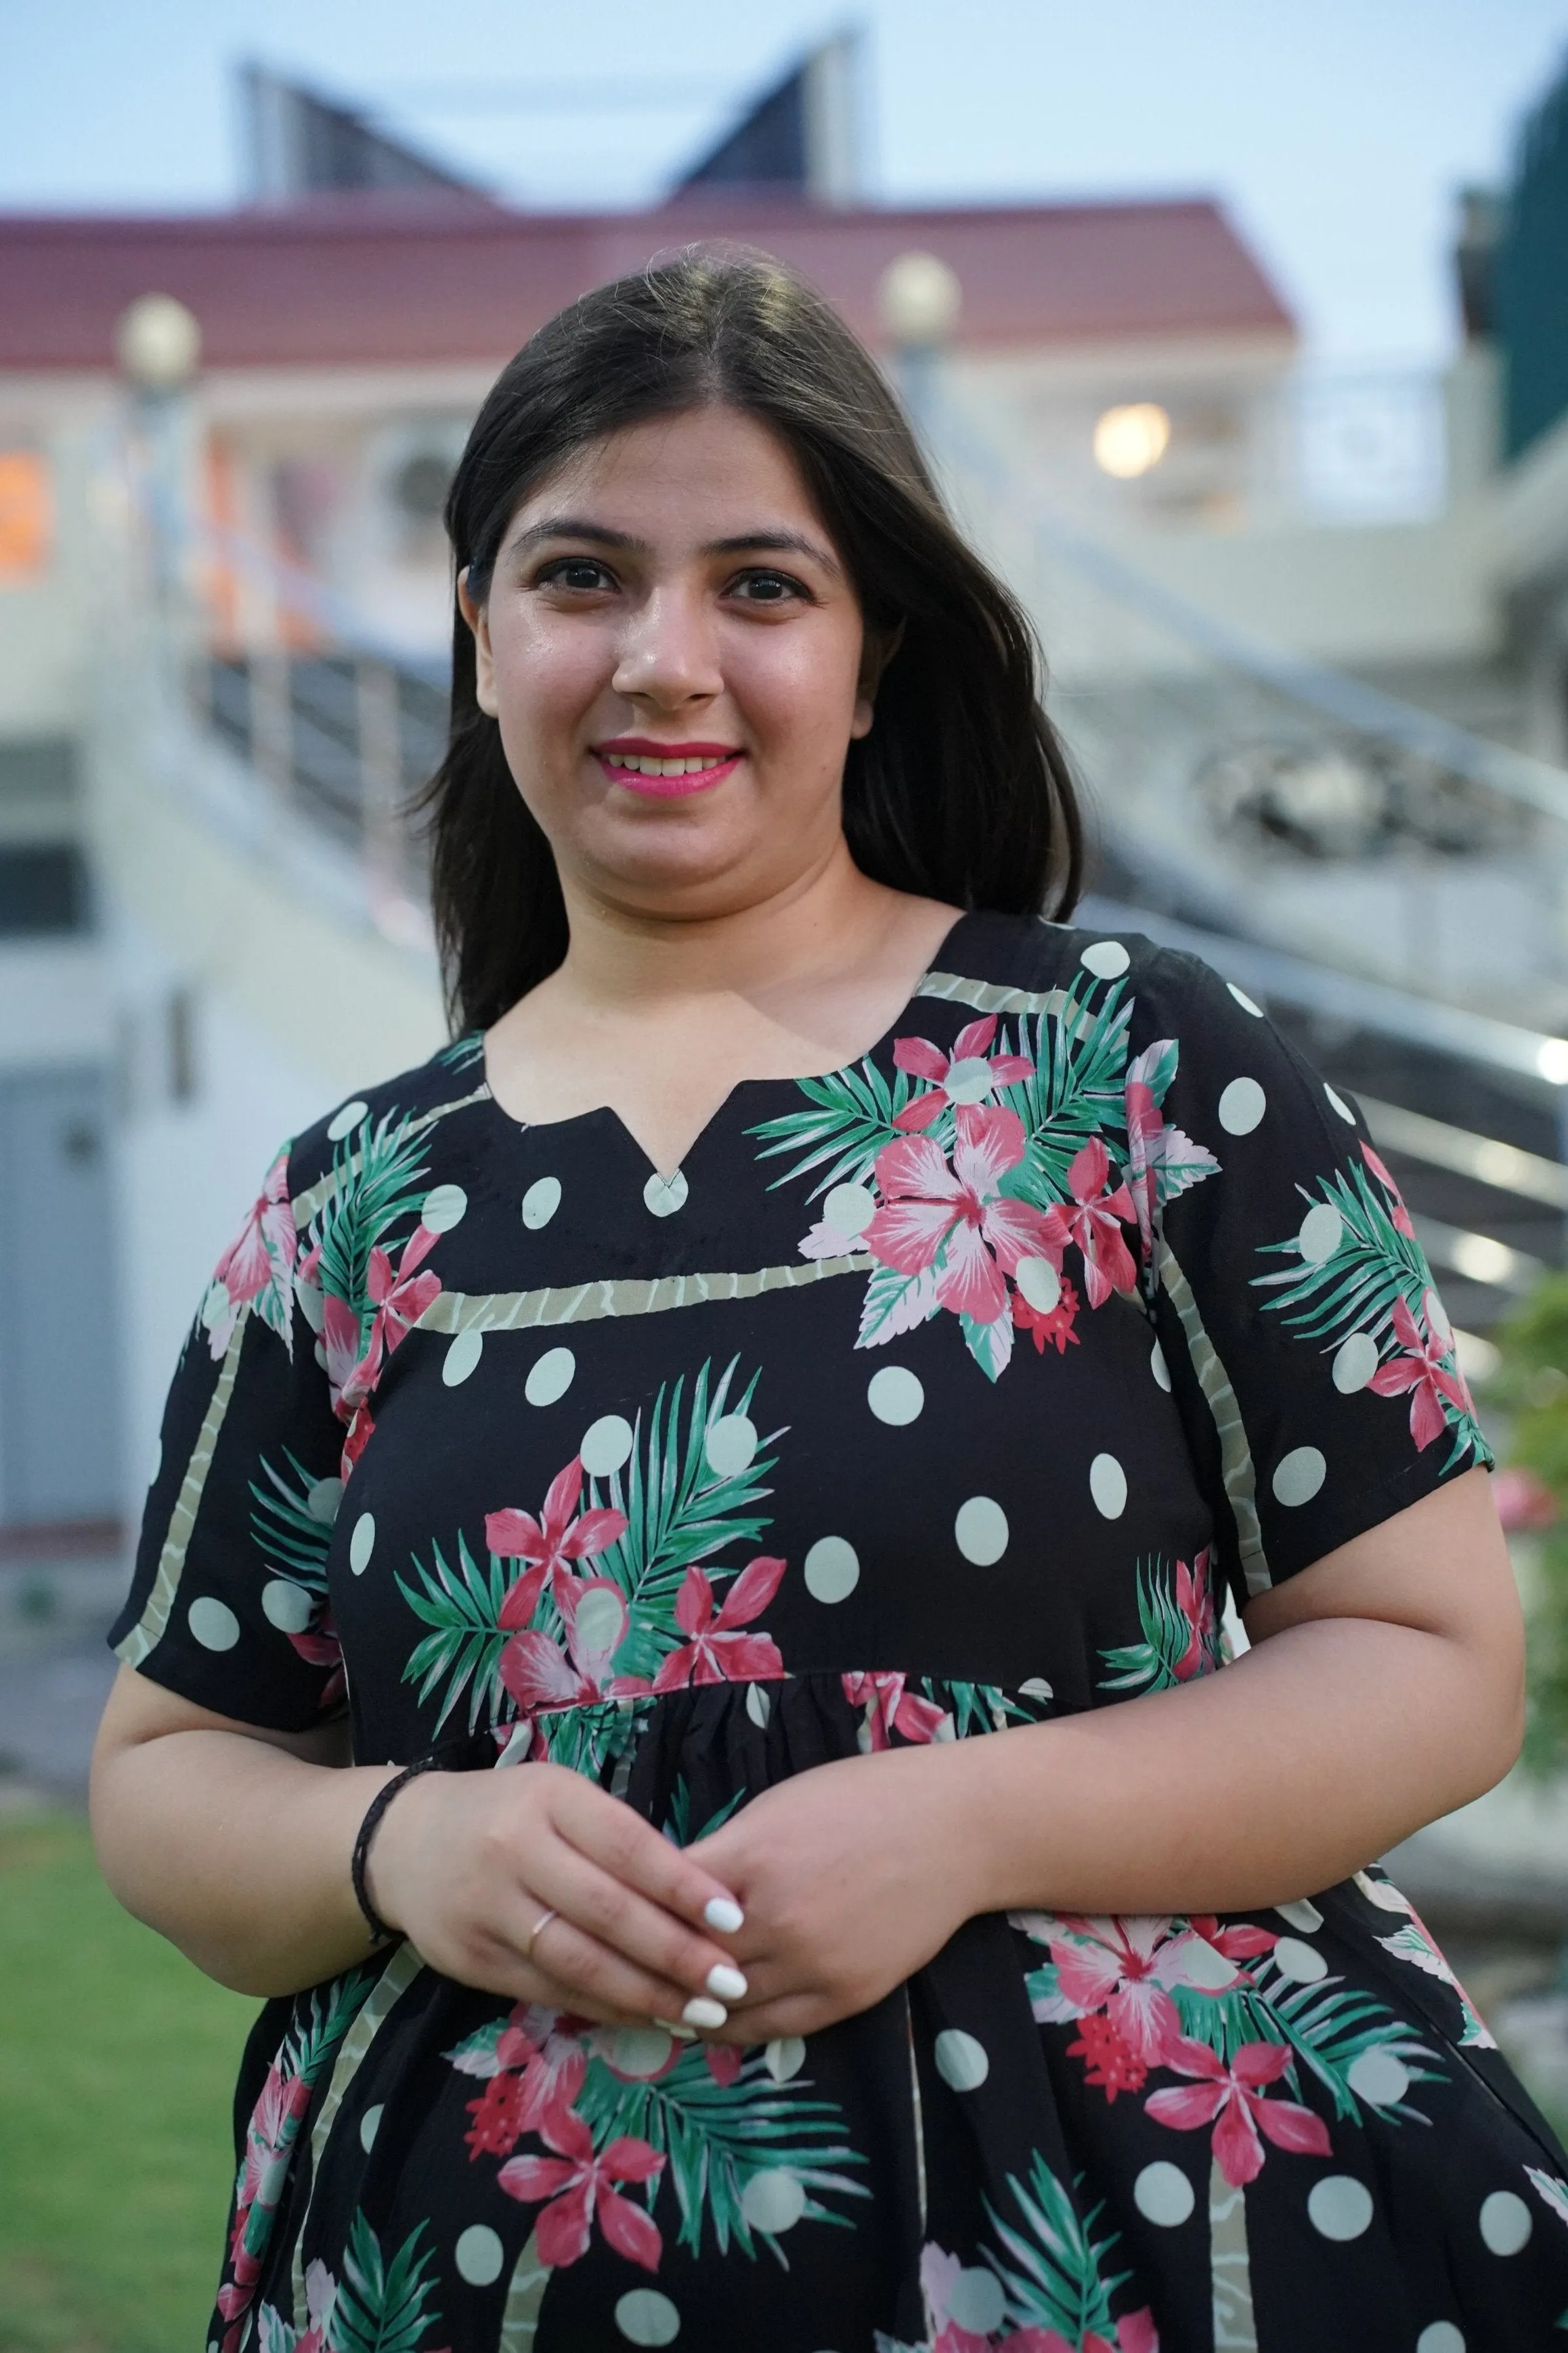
point(375, 1877)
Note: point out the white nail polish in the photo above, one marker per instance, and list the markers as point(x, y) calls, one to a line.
point(682, 2033)
point(722, 1912)
point(726, 1982)
point(701, 2011)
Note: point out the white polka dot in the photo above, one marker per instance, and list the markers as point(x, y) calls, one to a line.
point(1241, 1106)
point(1158, 1367)
point(640, 2050)
point(443, 1209)
point(606, 1443)
point(369, 2126)
point(895, 1395)
point(1302, 1964)
point(349, 1117)
point(1036, 1688)
point(1320, 1236)
point(1205, 1966)
point(286, 1606)
point(759, 1705)
point(1340, 2206)
point(1302, 1915)
point(1437, 1315)
point(157, 1461)
point(1107, 959)
point(479, 2255)
point(549, 1376)
point(1040, 1283)
point(1381, 2078)
point(1355, 1361)
point(1338, 1103)
point(976, 2304)
point(969, 1080)
point(362, 1544)
point(785, 2058)
point(601, 1619)
point(773, 2201)
point(662, 1196)
point(1442, 2337)
point(540, 1202)
point(981, 1530)
point(646, 2318)
point(1107, 1485)
point(1299, 1475)
point(213, 1623)
point(1244, 1001)
point(1506, 2222)
point(322, 1501)
point(462, 1356)
point(730, 1445)
point(832, 1569)
point(1162, 2194)
point(849, 1209)
point(960, 2060)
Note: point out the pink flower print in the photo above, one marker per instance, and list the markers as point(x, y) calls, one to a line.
point(1399, 1214)
point(269, 2137)
point(1238, 1940)
point(399, 1296)
point(1054, 1323)
point(890, 1709)
point(550, 1544)
point(1094, 1222)
point(580, 2185)
point(1233, 2099)
point(957, 1220)
point(716, 1651)
point(548, 2046)
point(1161, 1161)
point(540, 1676)
point(1194, 1600)
point(971, 1075)
point(1420, 1368)
point(257, 1266)
point(1135, 2333)
point(1122, 1966)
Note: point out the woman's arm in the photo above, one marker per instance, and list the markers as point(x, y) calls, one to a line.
point(235, 1845)
point(1384, 1687)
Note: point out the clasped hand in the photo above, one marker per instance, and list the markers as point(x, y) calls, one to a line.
point(845, 1880)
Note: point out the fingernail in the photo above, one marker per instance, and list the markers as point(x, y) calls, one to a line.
point(682, 2033)
point(723, 1912)
point(726, 1982)
point(699, 2011)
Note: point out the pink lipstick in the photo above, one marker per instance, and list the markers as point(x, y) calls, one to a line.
point(665, 770)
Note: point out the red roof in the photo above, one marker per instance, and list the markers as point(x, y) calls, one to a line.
point(390, 281)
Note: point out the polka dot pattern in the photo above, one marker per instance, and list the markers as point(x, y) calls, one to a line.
point(1338, 1104)
point(607, 1445)
point(1339, 2207)
point(324, 1501)
point(975, 2302)
point(1242, 1106)
point(1355, 1361)
point(832, 1569)
point(1164, 2195)
point(1159, 1368)
point(1302, 1964)
point(1107, 959)
point(1107, 1485)
point(1298, 1476)
point(346, 1121)
point(663, 1196)
point(785, 2058)
point(773, 2202)
point(895, 1395)
point(646, 2317)
point(961, 2060)
point(443, 1208)
point(362, 1544)
point(479, 2255)
point(981, 1531)
point(1380, 2077)
point(730, 1445)
point(286, 1606)
point(1506, 2222)
point(369, 2126)
point(213, 1623)
point(1322, 1229)
point(540, 1202)
point(849, 1209)
point(1442, 2337)
point(549, 1376)
point(1040, 1283)
point(1246, 1002)
point(463, 1356)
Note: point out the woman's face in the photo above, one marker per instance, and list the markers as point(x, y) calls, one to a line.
point(675, 653)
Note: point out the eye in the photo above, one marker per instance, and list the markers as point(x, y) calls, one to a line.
point(768, 588)
point(579, 572)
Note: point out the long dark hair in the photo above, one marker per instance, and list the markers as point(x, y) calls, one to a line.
point(961, 791)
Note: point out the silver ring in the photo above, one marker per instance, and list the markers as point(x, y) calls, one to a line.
point(537, 1931)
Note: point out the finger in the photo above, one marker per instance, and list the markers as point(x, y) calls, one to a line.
point(793, 2015)
point(643, 1933)
point(620, 1841)
point(585, 1967)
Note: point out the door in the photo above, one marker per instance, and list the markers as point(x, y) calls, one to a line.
point(58, 1355)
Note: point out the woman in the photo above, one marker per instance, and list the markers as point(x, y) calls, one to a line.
point(816, 1465)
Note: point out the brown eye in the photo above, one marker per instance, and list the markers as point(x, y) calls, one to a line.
point(768, 588)
point(581, 572)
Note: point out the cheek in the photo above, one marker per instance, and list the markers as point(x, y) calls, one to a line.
point(797, 685)
point(547, 673)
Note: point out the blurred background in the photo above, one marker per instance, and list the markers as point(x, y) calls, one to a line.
point(1239, 338)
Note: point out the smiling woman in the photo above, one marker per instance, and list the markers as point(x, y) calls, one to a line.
point(793, 1382)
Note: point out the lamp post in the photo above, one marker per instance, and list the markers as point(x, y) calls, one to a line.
point(919, 300)
point(158, 343)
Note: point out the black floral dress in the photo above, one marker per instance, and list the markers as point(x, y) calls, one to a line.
point(946, 1393)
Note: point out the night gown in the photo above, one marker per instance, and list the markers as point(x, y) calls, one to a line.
point(948, 1392)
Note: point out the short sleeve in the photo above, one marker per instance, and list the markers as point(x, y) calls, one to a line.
point(1308, 1351)
point(229, 1605)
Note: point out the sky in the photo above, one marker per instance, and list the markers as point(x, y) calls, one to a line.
point(1336, 133)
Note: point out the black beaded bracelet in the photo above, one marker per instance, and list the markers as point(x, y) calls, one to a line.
point(380, 1934)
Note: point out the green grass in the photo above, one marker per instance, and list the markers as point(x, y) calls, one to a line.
point(117, 2064)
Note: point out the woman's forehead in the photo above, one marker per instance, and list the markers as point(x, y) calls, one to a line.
point(704, 473)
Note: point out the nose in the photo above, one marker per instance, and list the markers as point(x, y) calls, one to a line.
point(668, 656)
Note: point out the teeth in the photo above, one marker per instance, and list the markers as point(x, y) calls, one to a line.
point(641, 764)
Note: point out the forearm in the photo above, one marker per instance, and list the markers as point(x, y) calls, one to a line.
point(238, 1853)
point(1304, 1760)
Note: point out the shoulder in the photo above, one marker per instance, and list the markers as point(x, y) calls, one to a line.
point(395, 1108)
point(1028, 954)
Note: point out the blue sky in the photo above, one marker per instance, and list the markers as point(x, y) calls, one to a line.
point(1337, 131)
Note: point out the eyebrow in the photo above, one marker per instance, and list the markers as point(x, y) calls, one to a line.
point(768, 539)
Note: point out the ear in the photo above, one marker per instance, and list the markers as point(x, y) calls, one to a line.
point(479, 620)
point(877, 651)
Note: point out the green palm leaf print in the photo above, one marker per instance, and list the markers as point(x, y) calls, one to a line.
point(720, 2139)
point(1076, 1090)
point(291, 1520)
point(852, 1118)
point(378, 1183)
point(381, 2308)
point(462, 1604)
point(1056, 2277)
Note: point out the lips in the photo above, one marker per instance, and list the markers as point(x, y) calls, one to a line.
point(665, 770)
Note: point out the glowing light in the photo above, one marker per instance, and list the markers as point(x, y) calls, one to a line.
point(1551, 1061)
point(1128, 442)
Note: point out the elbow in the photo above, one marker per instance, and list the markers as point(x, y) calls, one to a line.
point(1497, 1731)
